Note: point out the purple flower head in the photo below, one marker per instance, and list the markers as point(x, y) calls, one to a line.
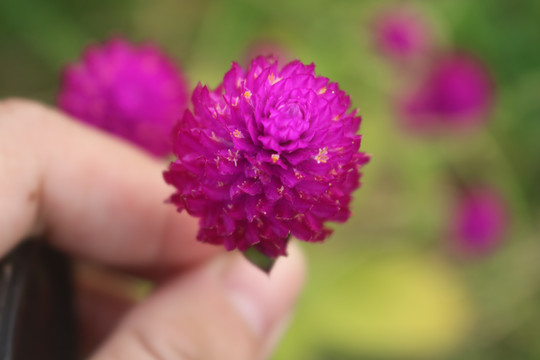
point(272, 152)
point(480, 220)
point(400, 33)
point(268, 48)
point(136, 93)
point(457, 93)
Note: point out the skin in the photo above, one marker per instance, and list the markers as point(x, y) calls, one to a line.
point(102, 201)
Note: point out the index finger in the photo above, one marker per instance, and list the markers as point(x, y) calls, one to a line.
point(95, 196)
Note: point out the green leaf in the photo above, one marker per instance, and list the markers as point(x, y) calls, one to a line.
point(260, 260)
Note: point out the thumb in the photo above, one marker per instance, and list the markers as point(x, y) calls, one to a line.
point(225, 309)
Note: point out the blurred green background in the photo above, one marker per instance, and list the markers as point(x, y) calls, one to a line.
point(386, 285)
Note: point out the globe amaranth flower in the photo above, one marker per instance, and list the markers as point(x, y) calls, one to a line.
point(480, 220)
point(401, 33)
point(269, 48)
point(456, 93)
point(272, 152)
point(134, 92)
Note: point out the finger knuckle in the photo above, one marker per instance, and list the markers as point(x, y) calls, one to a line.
point(160, 348)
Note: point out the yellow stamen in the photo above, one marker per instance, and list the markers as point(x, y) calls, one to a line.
point(233, 157)
point(237, 134)
point(273, 79)
point(221, 110)
point(322, 156)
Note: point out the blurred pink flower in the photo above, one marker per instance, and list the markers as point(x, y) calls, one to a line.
point(480, 220)
point(268, 48)
point(136, 93)
point(456, 93)
point(401, 33)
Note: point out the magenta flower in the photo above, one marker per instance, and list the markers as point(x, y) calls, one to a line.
point(268, 48)
point(272, 152)
point(400, 33)
point(457, 93)
point(480, 220)
point(136, 93)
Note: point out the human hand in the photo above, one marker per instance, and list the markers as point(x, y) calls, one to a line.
point(101, 200)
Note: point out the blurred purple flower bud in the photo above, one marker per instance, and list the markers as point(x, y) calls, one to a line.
point(400, 33)
point(456, 93)
point(136, 93)
point(268, 48)
point(480, 220)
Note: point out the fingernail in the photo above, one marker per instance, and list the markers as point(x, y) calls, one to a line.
point(264, 300)
point(244, 285)
point(275, 336)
